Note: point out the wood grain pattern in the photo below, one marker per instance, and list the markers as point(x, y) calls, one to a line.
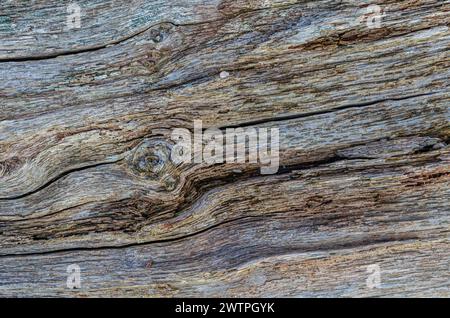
point(364, 122)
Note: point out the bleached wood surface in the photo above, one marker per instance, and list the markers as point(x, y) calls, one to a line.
point(364, 127)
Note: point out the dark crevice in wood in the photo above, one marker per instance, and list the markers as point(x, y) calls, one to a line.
point(333, 246)
point(92, 49)
point(176, 239)
point(322, 112)
point(58, 177)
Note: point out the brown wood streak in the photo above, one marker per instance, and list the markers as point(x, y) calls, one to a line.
point(364, 130)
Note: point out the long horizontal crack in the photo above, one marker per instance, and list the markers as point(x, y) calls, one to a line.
point(322, 112)
point(180, 238)
point(58, 177)
point(169, 240)
point(86, 50)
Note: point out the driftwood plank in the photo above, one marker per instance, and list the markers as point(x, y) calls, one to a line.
point(86, 118)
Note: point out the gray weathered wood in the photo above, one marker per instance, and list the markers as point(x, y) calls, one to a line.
point(363, 115)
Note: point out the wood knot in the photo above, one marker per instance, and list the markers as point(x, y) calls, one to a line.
point(151, 160)
point(161, 32)
point(157, 35)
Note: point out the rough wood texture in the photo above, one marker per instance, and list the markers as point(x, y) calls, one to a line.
point(364, 123)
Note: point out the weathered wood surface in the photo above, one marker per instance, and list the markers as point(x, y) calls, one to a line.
point(363, 115)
